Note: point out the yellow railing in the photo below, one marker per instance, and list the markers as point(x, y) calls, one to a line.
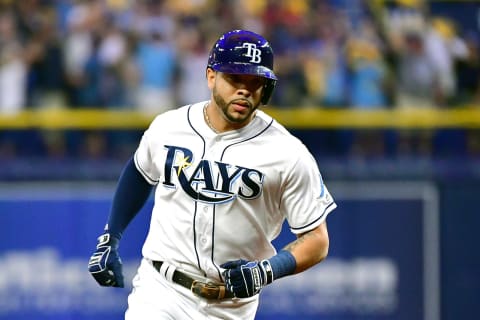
point(75, 119)
point(305, 118)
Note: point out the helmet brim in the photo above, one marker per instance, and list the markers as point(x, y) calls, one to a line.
point(244, 68)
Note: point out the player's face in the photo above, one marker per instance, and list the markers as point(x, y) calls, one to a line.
point(236, 95)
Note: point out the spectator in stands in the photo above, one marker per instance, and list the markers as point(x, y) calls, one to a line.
point(105, 67)
point(444, 47)
point(192, 54)
point(155, 59)
point(287, 26)
point(468, 72)
point(46, 64)
point(331, 32)
point(367, 72)
point(13, 68)
point(78, 47)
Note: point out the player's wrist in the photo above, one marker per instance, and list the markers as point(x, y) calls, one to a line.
point(282, 264)
point(108, 239)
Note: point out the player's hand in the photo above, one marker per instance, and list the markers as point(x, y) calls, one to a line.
point(246, 278)
point(105, 264)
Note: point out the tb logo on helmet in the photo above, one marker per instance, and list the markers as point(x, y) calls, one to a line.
point(252, 52)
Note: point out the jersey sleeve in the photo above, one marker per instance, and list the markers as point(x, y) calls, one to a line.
point(143, 157)
point(306, 201)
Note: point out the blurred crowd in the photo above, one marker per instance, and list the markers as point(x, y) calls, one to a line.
point(150, 55)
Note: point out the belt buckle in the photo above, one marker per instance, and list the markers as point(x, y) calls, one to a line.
point(207, 290)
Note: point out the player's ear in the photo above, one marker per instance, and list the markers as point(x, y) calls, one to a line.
point(211, 74)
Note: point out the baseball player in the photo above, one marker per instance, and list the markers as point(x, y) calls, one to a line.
point(227, 175)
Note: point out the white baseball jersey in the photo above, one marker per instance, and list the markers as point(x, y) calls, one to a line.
point(222, 197)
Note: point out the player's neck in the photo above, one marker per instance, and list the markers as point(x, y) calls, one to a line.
point(218, 122)
point(208, 121)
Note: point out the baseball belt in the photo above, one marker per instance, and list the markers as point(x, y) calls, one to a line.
point(210, 291)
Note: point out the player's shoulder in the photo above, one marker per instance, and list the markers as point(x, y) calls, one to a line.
point(280, 135)
point(284, 145)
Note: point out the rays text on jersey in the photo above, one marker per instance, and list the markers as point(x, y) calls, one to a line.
point(210, 181)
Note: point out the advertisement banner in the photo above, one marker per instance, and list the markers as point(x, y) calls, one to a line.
point(381, 263)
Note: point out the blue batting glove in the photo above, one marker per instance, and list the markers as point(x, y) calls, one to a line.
point(246, 278)
point(105, 264)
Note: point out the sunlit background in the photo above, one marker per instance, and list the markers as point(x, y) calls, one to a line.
point(385, 94)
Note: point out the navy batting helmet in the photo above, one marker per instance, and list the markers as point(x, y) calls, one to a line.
point(244, 52)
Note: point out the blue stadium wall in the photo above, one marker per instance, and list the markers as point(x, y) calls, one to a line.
point(400, 249)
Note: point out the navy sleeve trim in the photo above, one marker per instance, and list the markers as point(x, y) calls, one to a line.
point(327, 209)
